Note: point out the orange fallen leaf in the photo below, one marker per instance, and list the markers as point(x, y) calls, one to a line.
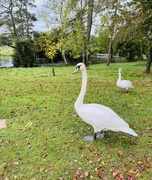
point(119, 153)
point(75, 177)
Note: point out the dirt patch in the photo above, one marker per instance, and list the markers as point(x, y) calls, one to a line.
point(2, 123)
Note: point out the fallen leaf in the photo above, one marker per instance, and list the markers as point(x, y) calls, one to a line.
point(77, 173)
point(138, 175)
point(99, 174)
point(86, 174)
point(29, 146)
point(119, 153)
point(1, 174)
point(103, 164)
point(105, 178)
point(91, 161)
point(115, 173)
point(15, 177)
point(148, 159)
point(111, 170)
point(75, 177)
point(16, 163)
point(120, 176)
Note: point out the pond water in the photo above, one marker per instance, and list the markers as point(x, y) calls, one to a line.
point(6, 61)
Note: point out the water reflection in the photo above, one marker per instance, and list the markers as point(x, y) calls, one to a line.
point(6, 61)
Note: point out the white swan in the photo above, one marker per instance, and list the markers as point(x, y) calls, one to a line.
point(100, 117)
point(123, 84)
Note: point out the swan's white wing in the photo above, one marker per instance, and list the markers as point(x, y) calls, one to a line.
point(101, 117)
point(125, 84)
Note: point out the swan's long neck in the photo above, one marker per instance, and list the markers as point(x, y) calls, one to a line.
point(119, 78)
point(80, 98)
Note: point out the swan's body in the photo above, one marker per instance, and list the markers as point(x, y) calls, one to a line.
point(100, 117)
point(123, 84)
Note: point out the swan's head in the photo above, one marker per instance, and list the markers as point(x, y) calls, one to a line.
point(79, 66)
point(120, 69)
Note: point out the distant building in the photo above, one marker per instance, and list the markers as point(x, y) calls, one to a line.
point(41, 58)
point(104, 57)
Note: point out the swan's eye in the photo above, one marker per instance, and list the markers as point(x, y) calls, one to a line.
point(78, 67)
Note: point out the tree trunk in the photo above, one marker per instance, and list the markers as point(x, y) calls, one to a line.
point(53, 71)
point(130, 53)
point(109, 51)
point(149, 62)
point(88, 31)
point(111, 38)
point(141, 52)
point(85, 54)
point(64, 58)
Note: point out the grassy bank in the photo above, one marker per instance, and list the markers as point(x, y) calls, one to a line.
point(6, 51)
point(43, 138)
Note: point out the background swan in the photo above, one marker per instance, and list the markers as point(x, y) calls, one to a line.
point(100, 117)
point(123, 84)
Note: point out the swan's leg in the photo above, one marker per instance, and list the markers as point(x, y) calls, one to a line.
point(95, 136)
point(100, 136)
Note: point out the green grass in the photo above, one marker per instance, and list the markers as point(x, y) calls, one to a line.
point(6, 51)
point(43, 138)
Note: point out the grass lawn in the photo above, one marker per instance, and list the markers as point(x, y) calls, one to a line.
point(43, 137)
point(6, 51)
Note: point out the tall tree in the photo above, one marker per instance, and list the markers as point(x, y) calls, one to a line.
point(75, 21)
point(145, 25)
point(55, 14)
point(18, 23)
point(112, 29)
point(84, 13)
point(135, 27)
point(16, 18)
point(90, 6)
point(110, 18)
point(103, 39)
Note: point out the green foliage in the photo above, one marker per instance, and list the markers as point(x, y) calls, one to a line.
point(76, 44)
point(129, 50)
point(93, 47)
point(43, 138)
point(103, 40)
point(24, 53)
point(48, 43)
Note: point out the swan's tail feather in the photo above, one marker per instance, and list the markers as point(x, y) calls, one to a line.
point(130, 131)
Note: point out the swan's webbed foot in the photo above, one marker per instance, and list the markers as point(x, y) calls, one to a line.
point(94, 137)
point(98, 135)
point(88, 138)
